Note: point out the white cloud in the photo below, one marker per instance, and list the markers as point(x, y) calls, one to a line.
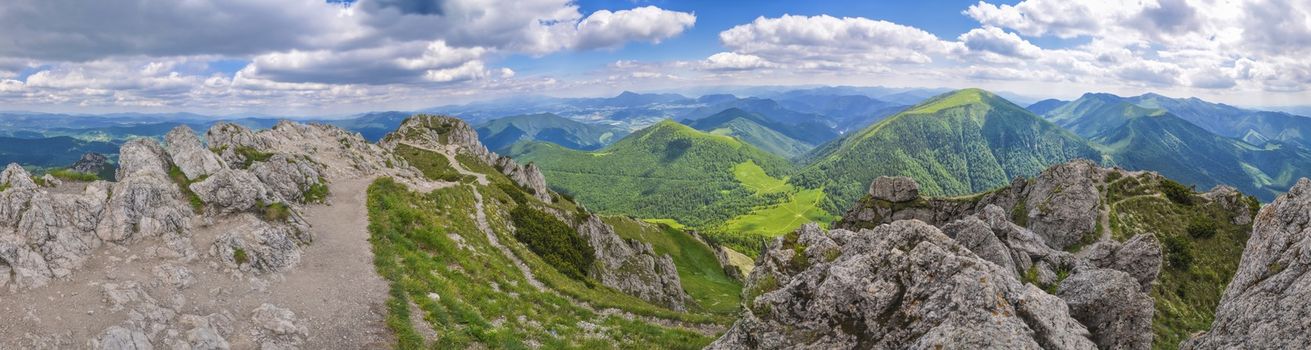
point(994, 40)
point(605, 29)
point(735, 61)
point(826, 41)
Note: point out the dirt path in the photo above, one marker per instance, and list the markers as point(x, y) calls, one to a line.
point(480, 215)
point(335, 288)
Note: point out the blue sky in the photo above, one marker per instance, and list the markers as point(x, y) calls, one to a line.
point(298, 57)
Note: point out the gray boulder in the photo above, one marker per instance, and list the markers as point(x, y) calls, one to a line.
point(120, 338)
point(278, 328)
point(632, 266)
point(259, 246)
point(141, 156)
point(231, 191)
point(190, 154)
point(904, 285)
point(1062, 203)
point(894, 189)
point(1267, 303)
point(289, 178)
point(978, 237)
point(1113, 307)
point(14, 176)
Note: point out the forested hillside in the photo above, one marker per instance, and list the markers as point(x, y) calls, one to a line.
point(957, 143)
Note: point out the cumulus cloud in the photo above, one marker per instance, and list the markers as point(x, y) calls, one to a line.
point(295, 45)
point(734, 61)
point(994, 40)
point(829, 42)
point(605, 29)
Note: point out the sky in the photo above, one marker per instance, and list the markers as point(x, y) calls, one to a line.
point(336, 57)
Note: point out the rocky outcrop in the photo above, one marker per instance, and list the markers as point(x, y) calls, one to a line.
point(141, 155)
point(1113, 307)
point(894, 189)
point(190, 156)
point(1140, 257)
point(1239, 205)
point(290, 179)
point(1061, 204)
point(902, 285)
point(1266, 305)
point(91, 163)
point(436, 132)
point(231, 191)
point(633, 266)
point(14, 176)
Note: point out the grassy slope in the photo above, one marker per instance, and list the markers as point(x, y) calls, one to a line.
point(957, 143)
point(1186, 296)
point(755, 130)
point(1152, 139)
point(702, 277)
point(668, 171)
point(429, 243)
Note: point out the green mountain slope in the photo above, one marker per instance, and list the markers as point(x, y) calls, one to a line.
point(1178, 149)
point(956, 143)
point(667, 170)
point(499, 134)
point(753, 129)
point(1230, 121)
point(1094, 114)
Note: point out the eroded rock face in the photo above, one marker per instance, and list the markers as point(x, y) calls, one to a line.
point(1240, 205)
point(141, 156)
point(633, 266)
point(1113, 307)
point(278, 328)
point(1062, 203)
point(1266, 305)
point(902, 285)
point(15, 176)
point(189, 154)
point(435, 132)
point(289, 178)
point(91, 163)
point(894, 189)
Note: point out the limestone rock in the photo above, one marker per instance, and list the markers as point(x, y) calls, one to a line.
point(1113, 307)
point(894, 189)
point(143, 204)
point(91, 163)
point(15, 176)
point(1233, 201)
point(141, 156)
point(1140, 256)
point(231, 191)
point(289, 178)
point(901, 285)
point(978, 237)
point(259, 246)
point(120, 338)
point(632, 266)
point(436, 132)
point(190, 154)
point(1062, 204)
point(1266, 305)
point(278, 328)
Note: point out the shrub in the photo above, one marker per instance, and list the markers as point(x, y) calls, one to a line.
point(317, 193)
point(251, 155)
point(1111, 177)
point(1177, 192)
point(276, 211)
point(239, 255)
point(1178, 252)
point(557, 243)
point(1201, 227)
point(514, 192)
point(1020, 214)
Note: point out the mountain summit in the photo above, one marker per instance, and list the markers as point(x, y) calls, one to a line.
point(956, 143)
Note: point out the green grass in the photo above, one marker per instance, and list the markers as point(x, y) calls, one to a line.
point(754, 178)
point(772, 221)
point(316, 193)
point(1196, 269)
point(250, 155)
point(553, 241)
point(184, 185)
point(239, 255)
point(484, 300)
point(276, 211)
point(698, 268)
point(69, 175)
point(433, 166)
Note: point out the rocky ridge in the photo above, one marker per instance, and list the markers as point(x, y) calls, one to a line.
point(249, 188)
point(1265, 306)
point(630, 266)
